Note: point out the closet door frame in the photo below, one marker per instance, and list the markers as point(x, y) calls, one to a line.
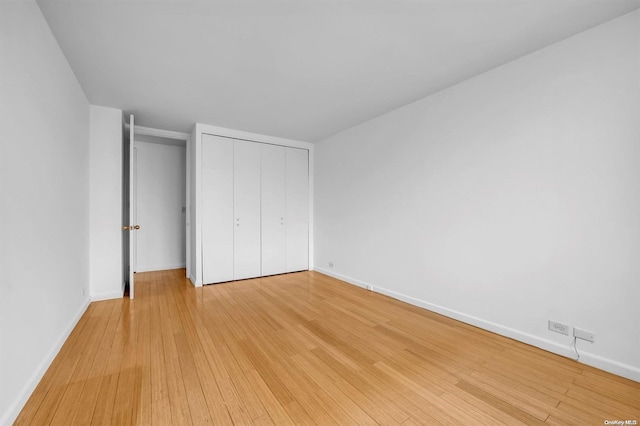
point(195, 147)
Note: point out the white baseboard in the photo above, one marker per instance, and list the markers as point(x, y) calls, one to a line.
point(606, 364)
point(341, 277)
point(21, 399)
point(160, 267)
point(195, 282)
point(609, 365)
point(107, 296)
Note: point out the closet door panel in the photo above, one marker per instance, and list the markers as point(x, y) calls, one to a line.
point(273, 209)
point(246, 205)
point(217, 209)
point(297, 209)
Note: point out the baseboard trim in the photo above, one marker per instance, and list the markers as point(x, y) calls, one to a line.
point(609, 365)
point(23, 396)
point(107, 296)
point(605, 364)
point(341, 277)
point(195, 282)
point(502, 330)
point(161, 268)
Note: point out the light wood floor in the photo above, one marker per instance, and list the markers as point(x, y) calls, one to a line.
point(306, 349)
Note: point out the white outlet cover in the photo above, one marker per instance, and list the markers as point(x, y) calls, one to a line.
point(559, 327)
point(584, 335)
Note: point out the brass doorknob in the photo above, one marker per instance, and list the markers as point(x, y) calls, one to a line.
point(126, 228)
point(136, 227)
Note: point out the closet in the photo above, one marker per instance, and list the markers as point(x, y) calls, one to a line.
point(255, 209)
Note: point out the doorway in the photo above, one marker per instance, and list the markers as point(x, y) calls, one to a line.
point(159, 203)
point(173, 174)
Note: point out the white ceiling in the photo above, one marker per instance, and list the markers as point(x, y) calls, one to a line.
point(299, 69)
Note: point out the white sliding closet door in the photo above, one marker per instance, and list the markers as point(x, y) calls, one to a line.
point(297, 209)
point(273, 209)
point(246, 207)
point(217, 209)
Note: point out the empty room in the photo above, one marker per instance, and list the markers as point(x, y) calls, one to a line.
point(325, 212)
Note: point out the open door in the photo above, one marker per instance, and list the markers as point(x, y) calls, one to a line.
point(129, 227)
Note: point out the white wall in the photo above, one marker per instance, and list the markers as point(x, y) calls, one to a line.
point(44, 191)
point(106, 203)
point(160, 193)
point(505, 201)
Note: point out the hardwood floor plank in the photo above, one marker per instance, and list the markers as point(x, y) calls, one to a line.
point(89, 397)
point(625, 393)
point(421, 395)
point(389, 389)
point(274, 407)
point(106, 394)
point(263, 421)
point(381, 410)
point(499, 404)
point(580, 397)
point(126, 396)
point(197, 340)
point(475, 414)
point(305, 348)
point(160, 407)
point(193, 388)
point(142, 410)
point(298, 414)
point(245, 400)
point(170, 324)
point(512, 396)
point(302, 388)
point(490, 414)
point(335, 393)
point(548, 387)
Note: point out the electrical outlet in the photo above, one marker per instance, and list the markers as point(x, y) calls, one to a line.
point(559, 327)
point(584, 335)
point(330, 264)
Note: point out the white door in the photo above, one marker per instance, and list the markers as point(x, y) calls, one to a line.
point(217, 209)
point(132, 225)
point(297, 209)
point(246, 200)
point(273, 209)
